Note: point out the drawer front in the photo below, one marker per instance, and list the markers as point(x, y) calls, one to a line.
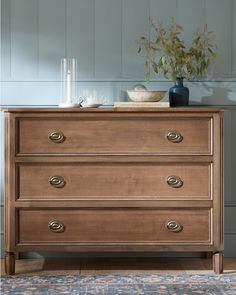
point(114, 181)
point(115, 226)
point(115, 135)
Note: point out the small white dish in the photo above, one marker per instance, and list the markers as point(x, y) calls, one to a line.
point(69, 105)
point(91, 105)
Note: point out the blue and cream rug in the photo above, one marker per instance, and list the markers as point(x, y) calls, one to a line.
point(180, 284)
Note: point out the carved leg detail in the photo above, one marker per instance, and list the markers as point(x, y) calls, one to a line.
point(10, 263)
point(218, 262)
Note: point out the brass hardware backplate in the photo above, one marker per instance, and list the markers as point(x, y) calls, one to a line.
point(174, 136)
point(57, 181)
point(56, 226)
point(173, 226)
point(56, 136)
point(174, 181)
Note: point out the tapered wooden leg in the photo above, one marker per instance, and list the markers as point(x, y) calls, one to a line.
point(208, 255)
point(10, 263)
point(218, 262)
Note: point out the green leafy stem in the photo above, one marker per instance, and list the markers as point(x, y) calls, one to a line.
point(166, 52)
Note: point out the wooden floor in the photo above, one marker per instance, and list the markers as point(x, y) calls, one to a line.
point(118, 265)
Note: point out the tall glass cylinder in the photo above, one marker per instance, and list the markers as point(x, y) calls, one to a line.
point(69, 96)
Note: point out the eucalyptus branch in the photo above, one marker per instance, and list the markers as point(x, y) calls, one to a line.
point(167, 52)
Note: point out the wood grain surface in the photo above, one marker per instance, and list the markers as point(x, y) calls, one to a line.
point(115, 196)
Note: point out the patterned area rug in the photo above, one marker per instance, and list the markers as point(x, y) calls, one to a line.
point(119, 284)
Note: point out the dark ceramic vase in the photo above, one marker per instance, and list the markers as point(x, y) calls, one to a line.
point(179, 94)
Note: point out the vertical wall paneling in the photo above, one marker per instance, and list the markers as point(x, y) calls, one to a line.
point(191, 15)
point(135, 23)
point(48, 92)
point(230, 225)
point(1, 158)
point(233, 16)
point(163, 10)
point(24, 39)
point(1, 219)
point(228, 156)
point(218, 17)
point(108, 38)
point(230, 245)
point(80, 35)
point(5, 40)
point(51, 34)
point(1, 183)
point(1, 246)
point(233, 159)
point(34, 93)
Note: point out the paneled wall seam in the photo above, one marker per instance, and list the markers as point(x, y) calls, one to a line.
point(121, 38)
point(10, 39)
point(119, 80)
point(229, 144)
point(94, 39)
point(230, 204)
point(205, 15)
point(149, 17)
point(176, 17)
point(66, 45)
point(232, 37)
point(37, 38)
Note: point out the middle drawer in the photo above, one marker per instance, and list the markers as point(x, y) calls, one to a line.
point(88, 181)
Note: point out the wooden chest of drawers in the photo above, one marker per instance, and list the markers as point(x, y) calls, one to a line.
point(83, 180)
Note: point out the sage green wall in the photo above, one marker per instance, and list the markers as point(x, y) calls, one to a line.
point(36, 34)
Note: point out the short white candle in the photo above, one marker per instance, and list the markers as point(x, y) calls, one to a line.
point(68, 87)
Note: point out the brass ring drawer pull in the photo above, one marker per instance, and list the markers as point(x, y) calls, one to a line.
point(174, 181)
point(173, 226)
point(56, 226)
point(56, 136)
point(174, 136)
point(57, 181)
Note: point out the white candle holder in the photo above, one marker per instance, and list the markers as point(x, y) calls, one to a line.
point(69, 98)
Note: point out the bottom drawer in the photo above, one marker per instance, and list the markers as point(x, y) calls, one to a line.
point(114, 226)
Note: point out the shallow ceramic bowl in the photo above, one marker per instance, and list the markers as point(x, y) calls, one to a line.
point(146, 95)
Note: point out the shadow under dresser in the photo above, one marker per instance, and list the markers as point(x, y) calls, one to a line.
point(114, 180)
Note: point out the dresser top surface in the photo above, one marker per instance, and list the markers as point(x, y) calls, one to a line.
point(191, 109)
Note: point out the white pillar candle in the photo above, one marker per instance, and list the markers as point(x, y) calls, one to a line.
point(68, 87)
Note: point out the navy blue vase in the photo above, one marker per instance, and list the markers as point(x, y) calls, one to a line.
point(179, 94)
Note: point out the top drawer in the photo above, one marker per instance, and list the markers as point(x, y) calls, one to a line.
point(116, 134)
